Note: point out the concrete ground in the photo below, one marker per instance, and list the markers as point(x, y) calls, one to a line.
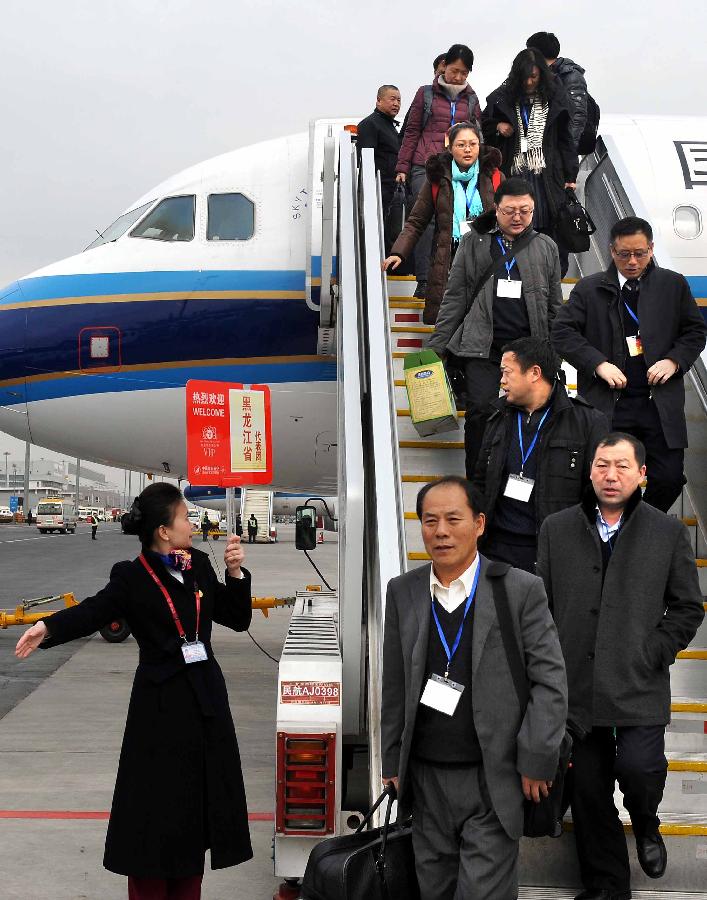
point(63, 710)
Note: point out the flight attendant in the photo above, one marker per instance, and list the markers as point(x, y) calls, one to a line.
point(179, 789)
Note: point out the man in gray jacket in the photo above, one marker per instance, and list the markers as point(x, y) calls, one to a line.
point(504, 284)
point(622, 584)
point(455, 742)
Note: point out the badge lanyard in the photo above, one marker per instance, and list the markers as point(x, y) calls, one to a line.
point(524, 116)
point(525, 456)
point(508, 265)
point(175, 615)
point(632, 314)
point(453, 104)
point(606, 527)
point(455, 645)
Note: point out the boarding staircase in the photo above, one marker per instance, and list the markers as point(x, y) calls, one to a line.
point(259, 504)
point(398, 463)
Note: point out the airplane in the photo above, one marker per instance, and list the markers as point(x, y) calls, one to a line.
point(213, 274)
point(283, 504)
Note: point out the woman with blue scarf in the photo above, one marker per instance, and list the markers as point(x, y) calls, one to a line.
point(460, 186)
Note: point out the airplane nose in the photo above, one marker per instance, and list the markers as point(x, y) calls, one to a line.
point(13, 409)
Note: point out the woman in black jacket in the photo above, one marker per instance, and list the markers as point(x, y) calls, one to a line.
point(527, 119)
point(179, 788)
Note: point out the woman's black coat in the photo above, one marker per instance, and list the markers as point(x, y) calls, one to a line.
point(561, 164)
point(179, 788)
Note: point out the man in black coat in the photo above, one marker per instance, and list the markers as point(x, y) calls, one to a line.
point(379, 131)
point(633, 332)
point(622, 586)
point(536, 453)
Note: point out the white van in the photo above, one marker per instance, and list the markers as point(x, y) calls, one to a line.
point(6, 514)
point(56, 514)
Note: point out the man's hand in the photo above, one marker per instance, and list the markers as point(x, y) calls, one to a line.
point(661, 371)
point(611, 374)
point(391, 261)
point(393, 781)
point(534, 789)
point(570, 184)
point(30, 640)
point(505, 129)
point(234, 556)
point(400, 178)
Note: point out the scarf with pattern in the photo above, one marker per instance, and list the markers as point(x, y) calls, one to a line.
point(534, 159)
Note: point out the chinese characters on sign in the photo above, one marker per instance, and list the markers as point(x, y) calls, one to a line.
point(228, 434)
point(311, 693)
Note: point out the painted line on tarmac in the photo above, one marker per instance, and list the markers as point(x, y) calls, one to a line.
point(94, 814)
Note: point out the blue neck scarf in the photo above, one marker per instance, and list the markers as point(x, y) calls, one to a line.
point(467, 200)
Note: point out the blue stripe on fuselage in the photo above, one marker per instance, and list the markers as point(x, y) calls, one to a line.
point(177, 377)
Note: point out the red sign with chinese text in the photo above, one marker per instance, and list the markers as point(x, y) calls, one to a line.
point(311, 693)
point(229, 434)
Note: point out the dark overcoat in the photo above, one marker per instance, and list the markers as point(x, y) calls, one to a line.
point(565, 449)
point(620, 634)
point(561, 164)
point(589, 330)
point(179, 788)
point(439, 173)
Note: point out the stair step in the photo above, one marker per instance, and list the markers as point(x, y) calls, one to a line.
point(686, 762)
point(432, 445)
point(406, 412)
point(401, 278)
point(415, 479)
point(412, 329)
point(687, 705)
point(405, 303)
point(693, 653)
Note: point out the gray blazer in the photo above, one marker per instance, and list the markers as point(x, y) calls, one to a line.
point(513, 743)
point(470, 333)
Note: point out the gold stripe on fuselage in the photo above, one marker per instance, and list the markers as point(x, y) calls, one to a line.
point(157, 295)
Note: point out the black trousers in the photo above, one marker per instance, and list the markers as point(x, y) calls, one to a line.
point(635, 757)
point(664, 467)
point(482, 381)
point(522, 553)
point(94, 529)
point(251, 536)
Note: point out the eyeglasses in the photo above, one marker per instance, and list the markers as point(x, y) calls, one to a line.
point(627, 254)
point(522, 212)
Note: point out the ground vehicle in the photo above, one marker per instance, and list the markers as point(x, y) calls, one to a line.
point(56, 514)
point(6, 514)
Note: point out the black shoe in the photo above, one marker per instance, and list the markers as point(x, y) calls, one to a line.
point(652, 855)
point(420, 290)
point(603, 894)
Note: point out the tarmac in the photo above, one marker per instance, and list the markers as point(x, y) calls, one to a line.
point(62, 714)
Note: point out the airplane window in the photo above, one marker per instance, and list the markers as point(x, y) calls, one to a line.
point(231, 218)
point(171, 220)
point(120, 226)
point(687, 222)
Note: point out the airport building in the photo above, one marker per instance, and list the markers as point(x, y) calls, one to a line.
point(55, 478)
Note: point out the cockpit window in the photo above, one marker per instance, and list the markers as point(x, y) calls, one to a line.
point(120, 226)
point(170, 220)
point(231, 218)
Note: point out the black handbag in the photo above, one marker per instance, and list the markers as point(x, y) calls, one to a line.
point(573, 225)
point(543, 819)
point(367, 865)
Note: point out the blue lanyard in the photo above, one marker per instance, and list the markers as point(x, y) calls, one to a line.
point(524, 116)
point(631, 313)
point(470, 200)
point(453, 104)
point(455, 645)
point(508, 265)
point(609, 537)
point(525, 456)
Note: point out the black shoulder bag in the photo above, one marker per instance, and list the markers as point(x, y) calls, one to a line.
point(543, 819)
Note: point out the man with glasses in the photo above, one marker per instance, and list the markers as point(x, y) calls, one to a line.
point(504, 284)
point(633, 332)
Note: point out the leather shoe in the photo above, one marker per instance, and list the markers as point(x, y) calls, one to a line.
point(603, 894)
point(652, 855)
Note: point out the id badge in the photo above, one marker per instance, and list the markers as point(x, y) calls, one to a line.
point(442, 694)
point(635, 347)
point(519, 488)
point(194, 652)
point(523, 144)
point(506, 287)
point(464, 227)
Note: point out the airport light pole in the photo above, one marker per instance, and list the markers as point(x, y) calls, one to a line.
point(27, 505)
point(6, 453)
point(78, 483)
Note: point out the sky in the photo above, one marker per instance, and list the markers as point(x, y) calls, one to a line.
point(101, 100)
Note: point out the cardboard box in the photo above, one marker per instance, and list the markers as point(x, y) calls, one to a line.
point(432, 406)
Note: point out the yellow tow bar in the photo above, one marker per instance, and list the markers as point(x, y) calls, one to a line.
point(264, 604)
point(21, 617)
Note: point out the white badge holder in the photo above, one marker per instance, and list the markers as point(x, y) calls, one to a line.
point(507, 287)
point(442, 694)
point(194, 651)
point(519, 488)
point(635, 347)
point(464, 228)
point(524, 144)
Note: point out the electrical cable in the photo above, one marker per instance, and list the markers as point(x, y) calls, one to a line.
point(314, 565)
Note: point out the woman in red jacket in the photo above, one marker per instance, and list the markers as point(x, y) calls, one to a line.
point(435, 109)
